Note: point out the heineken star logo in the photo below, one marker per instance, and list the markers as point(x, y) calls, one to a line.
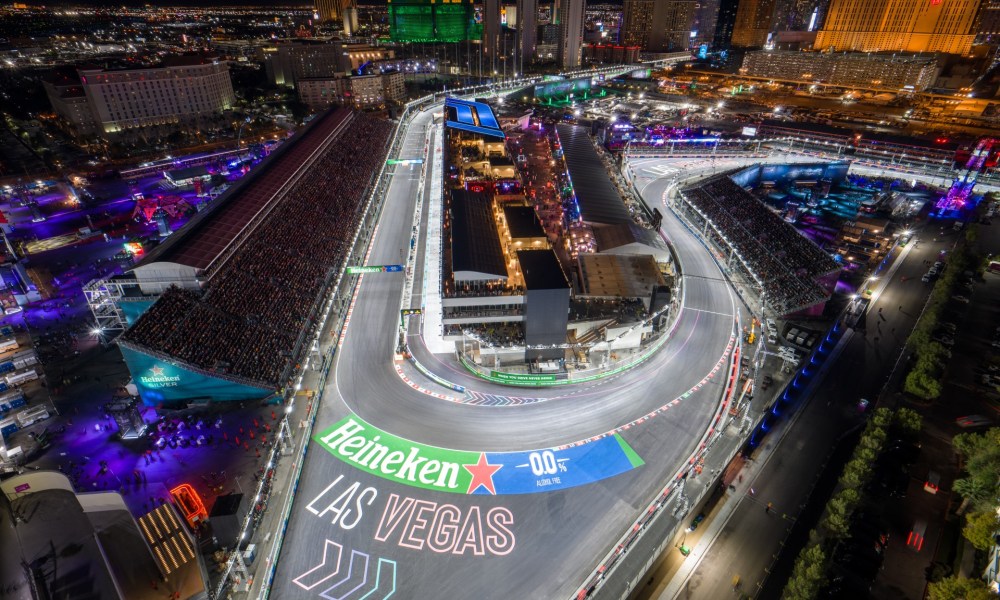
point(157, 371)
point(482, 474)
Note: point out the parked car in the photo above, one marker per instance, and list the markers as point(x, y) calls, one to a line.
point(971, 421)
point(962, 299)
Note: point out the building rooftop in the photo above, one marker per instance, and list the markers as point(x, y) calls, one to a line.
point(475, 241)
point(616, 236)
point(88, 546)
point(187, 173)
point(541, 270)
point(618, 276)
point(597, 197)
point(523, 222)
point(473, 117)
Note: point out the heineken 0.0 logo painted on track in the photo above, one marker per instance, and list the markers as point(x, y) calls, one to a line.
point(382, 454)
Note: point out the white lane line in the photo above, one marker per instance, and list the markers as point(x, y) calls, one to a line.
point(711, 312)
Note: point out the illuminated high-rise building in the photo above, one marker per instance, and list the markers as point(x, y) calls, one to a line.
point(431, 21)
point(989, 23)
point(527, 32)
point(491, 33)
point(705, 20)
point(333, 10)
point(946, 26)
point(725, 23)
point(658, 25)
point(753, 23)
point(637, 18)
point(571, 15)
point(672, 24)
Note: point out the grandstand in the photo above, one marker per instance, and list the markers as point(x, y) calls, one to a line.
point(598, 199)
point(264, 259)
point(794, 274)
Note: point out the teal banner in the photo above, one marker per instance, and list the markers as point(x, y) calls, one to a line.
point(161, 382)
point(134, 309)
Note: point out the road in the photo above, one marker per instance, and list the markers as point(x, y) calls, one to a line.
point(746, 543)
point(520, 545)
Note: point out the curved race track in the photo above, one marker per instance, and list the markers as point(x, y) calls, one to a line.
point(378, 533)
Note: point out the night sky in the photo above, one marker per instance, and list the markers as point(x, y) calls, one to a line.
point(227, 3)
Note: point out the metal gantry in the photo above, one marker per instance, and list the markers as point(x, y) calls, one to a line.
point(104, 297)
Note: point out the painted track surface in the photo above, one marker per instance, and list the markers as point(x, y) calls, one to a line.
point(557, 536)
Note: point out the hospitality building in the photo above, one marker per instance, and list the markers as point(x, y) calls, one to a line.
point(291, 60)
point(361, 91)
point(900, 26)
point(183, 92)
point(887, 71)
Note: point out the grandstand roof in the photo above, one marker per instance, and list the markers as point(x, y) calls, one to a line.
point(523, 222)
point(807, 127)
point(541, 270)
point(944, 145)
point(208, 235)
point(629, 238)
point(475, 241)
point(187, 173)
point(598, 198)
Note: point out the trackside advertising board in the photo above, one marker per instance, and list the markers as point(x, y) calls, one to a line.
point(384, 455)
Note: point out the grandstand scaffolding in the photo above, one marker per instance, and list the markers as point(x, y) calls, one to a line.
point(104, 298)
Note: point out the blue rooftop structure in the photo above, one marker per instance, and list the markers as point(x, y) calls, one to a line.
point(474, 117)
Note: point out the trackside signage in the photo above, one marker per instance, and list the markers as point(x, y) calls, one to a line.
point(384, 455)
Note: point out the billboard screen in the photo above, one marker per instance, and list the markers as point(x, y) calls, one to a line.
point(562, 88)
point(750, 131)
point(428, 21)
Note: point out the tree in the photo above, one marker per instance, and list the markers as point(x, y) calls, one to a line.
point(873, 440)
point(981, 454)
point(855, 474)
point(909, 420)
point(960, 588)
point(975, 491)
point(808, 576)
point(839, 511)
point(922, 384)
point(881, 418)
point(981, 529)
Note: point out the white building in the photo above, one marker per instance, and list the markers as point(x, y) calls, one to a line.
point(185, 91)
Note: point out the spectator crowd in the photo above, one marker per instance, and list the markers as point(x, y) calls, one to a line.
point(261, 300)
point(786, 264)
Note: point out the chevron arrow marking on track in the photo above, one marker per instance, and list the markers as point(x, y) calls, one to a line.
point(315, 574)
point(389, 579)
point(361, 567)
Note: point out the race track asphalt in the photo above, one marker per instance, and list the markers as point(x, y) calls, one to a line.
point(374, 532)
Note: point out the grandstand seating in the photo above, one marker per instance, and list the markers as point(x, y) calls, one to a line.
point(783, 261)
point(258, 303)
